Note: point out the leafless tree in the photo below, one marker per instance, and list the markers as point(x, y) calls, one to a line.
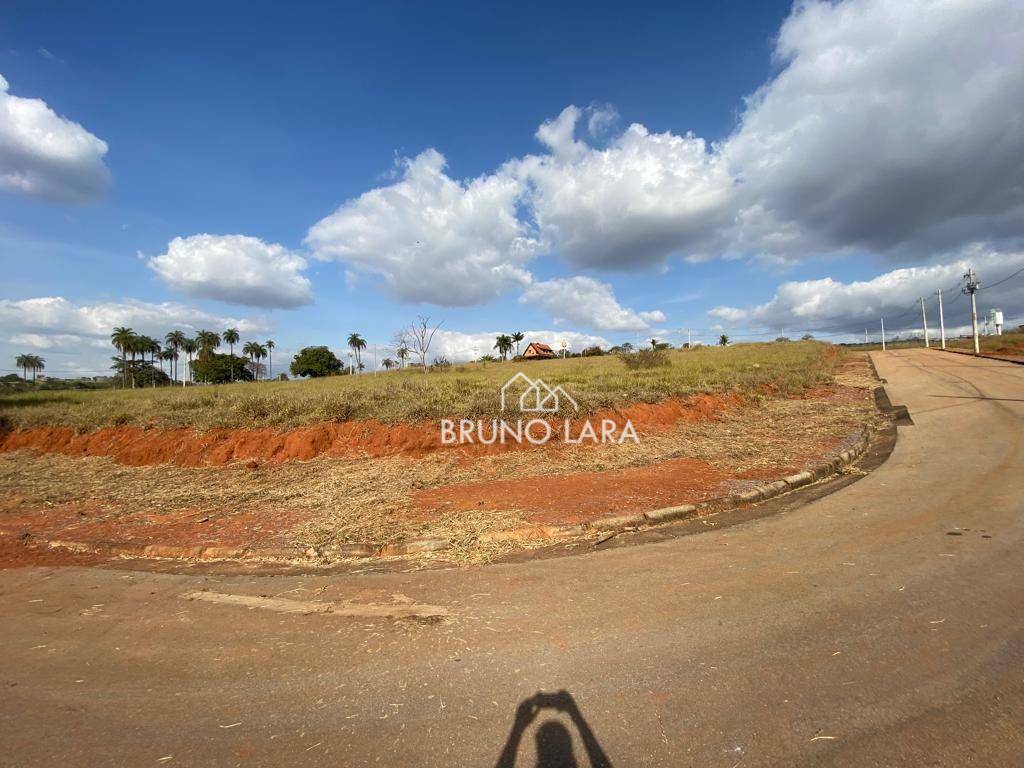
point(420, 334)
point(401, 339)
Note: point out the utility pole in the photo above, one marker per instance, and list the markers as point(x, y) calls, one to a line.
point(972, 287)
point(689, 344)
point(924, 320)
point(883, 334)
point(942, 321)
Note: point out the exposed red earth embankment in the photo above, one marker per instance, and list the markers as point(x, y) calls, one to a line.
point(135, 446)
point(370, 485)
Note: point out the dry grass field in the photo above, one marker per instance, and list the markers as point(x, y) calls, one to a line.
point(777, 408)
point(468, 391)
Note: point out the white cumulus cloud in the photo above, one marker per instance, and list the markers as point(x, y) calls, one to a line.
point(48, 156)
point(587, 302)
point(55, 315)
point(834, 306)
point(80, 332)
point(891, 126)
point(433, 238)
point(888, 128)
point(644, 197)
point(235, 269)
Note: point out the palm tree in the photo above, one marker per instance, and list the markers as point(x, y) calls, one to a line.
point(190, 347)
point(517, 337)
point(270, 352)
point(503, 343)
point(122, 339)
point(357, 344)
point(388, 363)
point(138, 346)
point(24, 362)
point(231, 337)
point(150, 346)
point(175, 340)
point(207, 341)
point(35, 364)
point(250, 350)
point(402, 353)
point(723, 340)
point(170, 354)
point(261, 352)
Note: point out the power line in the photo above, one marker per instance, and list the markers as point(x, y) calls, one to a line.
point(1000, 282)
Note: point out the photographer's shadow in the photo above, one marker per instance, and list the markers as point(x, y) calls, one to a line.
point(553, 740)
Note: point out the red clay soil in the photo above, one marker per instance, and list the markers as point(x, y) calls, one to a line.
point(90, 521)
point(587, 496)
point(14, 554)
point(137, 446)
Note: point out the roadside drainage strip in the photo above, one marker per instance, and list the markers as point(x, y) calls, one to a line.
point(980, 355)
point(414, 546)
point(397, 610)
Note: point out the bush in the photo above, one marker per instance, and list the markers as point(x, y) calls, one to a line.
point(594, 351)
point(142, 373)
point(216, 369)
point(647, 358)
point(314, 362)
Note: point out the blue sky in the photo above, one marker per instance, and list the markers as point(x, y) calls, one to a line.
point(260, 120)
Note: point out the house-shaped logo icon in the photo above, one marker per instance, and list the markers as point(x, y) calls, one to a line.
point(535, 396)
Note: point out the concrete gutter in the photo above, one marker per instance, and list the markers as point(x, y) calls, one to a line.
point(980, 354)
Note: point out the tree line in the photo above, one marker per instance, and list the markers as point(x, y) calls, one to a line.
point(137, 363)
point(33, 363)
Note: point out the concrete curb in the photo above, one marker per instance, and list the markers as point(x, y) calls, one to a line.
point(548, 533)
point(980, 354)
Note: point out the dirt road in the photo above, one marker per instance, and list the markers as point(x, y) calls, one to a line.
point(880, 625)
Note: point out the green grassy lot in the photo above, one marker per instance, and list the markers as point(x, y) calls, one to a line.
point(470, 391)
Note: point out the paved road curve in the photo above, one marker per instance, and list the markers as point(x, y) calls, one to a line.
point(882, 625)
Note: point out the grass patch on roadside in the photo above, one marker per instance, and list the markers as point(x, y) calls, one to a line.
point(469, 391)
point(1009, 344)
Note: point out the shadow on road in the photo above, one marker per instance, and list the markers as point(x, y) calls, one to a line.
point(554, 744)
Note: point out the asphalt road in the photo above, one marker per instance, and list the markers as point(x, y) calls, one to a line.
point(881, 625)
